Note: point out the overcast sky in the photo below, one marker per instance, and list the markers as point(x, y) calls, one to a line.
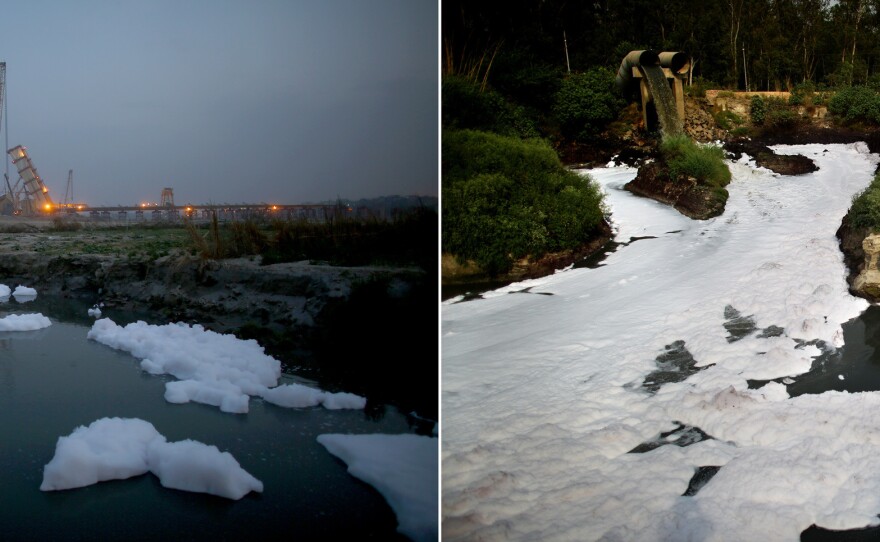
point(285, 101)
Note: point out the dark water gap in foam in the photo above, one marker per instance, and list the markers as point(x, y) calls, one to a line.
point(857, 361)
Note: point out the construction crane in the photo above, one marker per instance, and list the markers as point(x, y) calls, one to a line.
point(68, 194)
point(7, 201)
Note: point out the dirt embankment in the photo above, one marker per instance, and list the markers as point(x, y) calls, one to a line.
point(320, 321)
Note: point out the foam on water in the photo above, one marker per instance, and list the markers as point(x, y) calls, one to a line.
point(543, 396)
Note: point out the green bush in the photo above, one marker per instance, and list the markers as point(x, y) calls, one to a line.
point(865, 209)
point(779, 115)
point(802, 94)
point(505, 198)
point(727, 119)
point(856, 104)
point(758, 110)
point(465, 106)
point(586, 103)
point(703, 162)
point(698, 87)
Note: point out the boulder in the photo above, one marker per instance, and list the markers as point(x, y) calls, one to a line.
point(867, 282)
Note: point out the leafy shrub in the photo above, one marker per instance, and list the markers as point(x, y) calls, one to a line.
point(856, 104)
point(465, 106)
point(587, 102)
point(505, 198)
point(727, 119)
point(779, 115)
point(703, 162)
point(865, 209)
point(758, 110)
point(802, 94)
point(698, 87)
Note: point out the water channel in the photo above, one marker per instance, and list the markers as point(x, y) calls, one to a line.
point(55, 379)
point(703, 382)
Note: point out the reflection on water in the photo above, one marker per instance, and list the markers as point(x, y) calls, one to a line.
point(853, 368)
point(53, 380)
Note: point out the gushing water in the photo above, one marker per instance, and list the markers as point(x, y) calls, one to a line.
point(663, 100)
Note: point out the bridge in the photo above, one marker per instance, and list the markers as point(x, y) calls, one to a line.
point(310, 212)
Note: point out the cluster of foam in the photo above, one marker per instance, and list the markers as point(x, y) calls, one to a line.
point(212, 368)
point(24, 291)
point(120, 448)
point(24, 322)
point(543, 396)
point(403, 468)
point(22, 294)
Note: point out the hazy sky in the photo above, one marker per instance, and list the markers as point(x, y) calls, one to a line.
point(233, 101)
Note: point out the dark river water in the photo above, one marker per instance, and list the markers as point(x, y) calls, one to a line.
point(53, 380)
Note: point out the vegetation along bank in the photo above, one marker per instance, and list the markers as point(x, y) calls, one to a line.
point(529, 93)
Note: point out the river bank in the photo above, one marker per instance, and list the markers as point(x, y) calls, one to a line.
point(320, 321)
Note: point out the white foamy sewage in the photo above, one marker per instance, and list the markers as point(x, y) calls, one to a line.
point(213, 368)
point(545, 396)
point(120, 448)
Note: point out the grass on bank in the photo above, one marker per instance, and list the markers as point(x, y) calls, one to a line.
point(408, 239)
point(705, 163)
point(865, 209)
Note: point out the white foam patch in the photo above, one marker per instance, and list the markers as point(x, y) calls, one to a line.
point(119, 448)
point(542, 396)
point(24, 322)
point(403, 468)
point(24, 291)
point(212, 368)
point(300, 396)
point(189, 465)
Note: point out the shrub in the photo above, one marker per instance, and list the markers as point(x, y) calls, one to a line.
point(865, 209)
point(586, 103)
point(779, 115)
point(505, 198)
point(698, 87)
point(703, 162)
point(466, 106)
point(802, 94)
point(758, 110)
point(856, 104)
point(727, 120)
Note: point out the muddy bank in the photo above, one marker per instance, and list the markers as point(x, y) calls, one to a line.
point(322, 322)
point(468, 278)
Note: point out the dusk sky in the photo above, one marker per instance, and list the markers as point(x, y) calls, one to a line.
point(225, 101)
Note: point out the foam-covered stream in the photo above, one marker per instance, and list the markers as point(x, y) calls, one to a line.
point(545, 396)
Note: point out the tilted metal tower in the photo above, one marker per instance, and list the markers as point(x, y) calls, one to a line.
point(33, 196)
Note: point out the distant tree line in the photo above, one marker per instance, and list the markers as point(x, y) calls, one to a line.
point(735, 44)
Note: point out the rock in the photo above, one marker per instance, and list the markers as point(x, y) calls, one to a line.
point(867, 282)
point(765, 157)
point(851, 245)
point(687, 195)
